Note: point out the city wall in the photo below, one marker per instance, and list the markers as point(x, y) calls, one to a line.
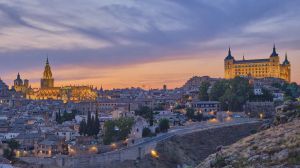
point(131, 153)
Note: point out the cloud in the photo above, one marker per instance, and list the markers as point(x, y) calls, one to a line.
point(112, 33)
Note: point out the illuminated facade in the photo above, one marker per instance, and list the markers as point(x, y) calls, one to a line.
point(65, 93)
point(20, 85)
point(258, 68)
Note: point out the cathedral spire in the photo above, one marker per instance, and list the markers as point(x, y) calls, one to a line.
point(47, 61)
point(47, 72)
point(18, 76)
point(47, 81)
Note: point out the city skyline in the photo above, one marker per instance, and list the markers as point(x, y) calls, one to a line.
point(121, 44)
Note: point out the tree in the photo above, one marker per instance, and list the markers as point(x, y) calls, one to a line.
point(146, 113)
point(111, 134)
point(203, 91)
point(97, 124)
point(218, 90)
point(92, 126)
point(89, 124)
point(190, 113)
point(164, 125)
point(265, 96)
point(199, 116)
point(236, 94)
point(82, 127)
point(146, 132)
point(9, 153)
point(58, 117)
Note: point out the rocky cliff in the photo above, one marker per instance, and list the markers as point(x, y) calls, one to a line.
point(276, 146)
point(189, 150)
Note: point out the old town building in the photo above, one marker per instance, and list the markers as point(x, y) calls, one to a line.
point(65, 93)
point(258, 68)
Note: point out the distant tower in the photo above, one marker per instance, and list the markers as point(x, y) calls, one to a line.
point(18, 81)
point(274, 64)
point(286, 69)
point(165, 87)
point(228, 64)
point(47, 81)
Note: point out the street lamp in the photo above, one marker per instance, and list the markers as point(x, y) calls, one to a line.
point(154, 153)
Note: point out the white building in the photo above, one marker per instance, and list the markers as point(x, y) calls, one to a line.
point(137, 129)
point(206, 106)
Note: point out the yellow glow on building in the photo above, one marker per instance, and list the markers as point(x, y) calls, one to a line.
point(93, 149)
point(261, 116)
point(113, 145)
point(65, 93)
point(213, 120)
point(258, 68)
point(154, 153)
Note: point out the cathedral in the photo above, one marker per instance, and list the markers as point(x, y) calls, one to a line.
point(258, 68)
point(64, 93)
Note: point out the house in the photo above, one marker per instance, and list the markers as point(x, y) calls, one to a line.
point(122, 113)
point(137, 129)
point(174, 118)
point(51, 146)
point(66, 133)
point(205, 106)
point(27, 140)
point(278, 95)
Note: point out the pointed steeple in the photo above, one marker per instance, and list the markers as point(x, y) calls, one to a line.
point(274, 53)
point(286, 61)
point(229, 56)
point(47, 61)
point(47, 71)
point(18, 76)
point(243, 57)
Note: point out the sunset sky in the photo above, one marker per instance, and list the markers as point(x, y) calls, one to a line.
point(141, 43)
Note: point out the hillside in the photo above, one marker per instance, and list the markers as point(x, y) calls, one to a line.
point(191, 149)
point(277, 146)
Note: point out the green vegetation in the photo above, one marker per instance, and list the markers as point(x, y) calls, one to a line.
point(190, 113)
point(9, 152)
point(218, 90)
point(116, 130)
point(266, 96)
point(292, 90)
point(65, 117)
point(231, 93)
point(146, 113)
point(147, 133)
point(164, 125)
point(219, 161)
point(91, 126)
point(203, 94)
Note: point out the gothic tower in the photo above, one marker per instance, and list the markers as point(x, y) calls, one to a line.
point(47, 81)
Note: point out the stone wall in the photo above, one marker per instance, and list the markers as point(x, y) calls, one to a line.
point(94, 160)
point(177, 150)
point(254, 109)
